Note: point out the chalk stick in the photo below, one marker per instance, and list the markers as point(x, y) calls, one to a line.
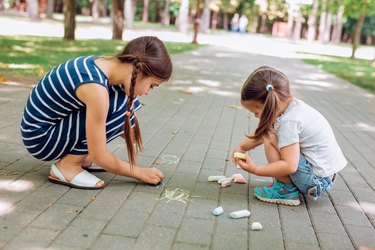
point(215, 177)
point(217, 211)
point(221, 180)
point(240, 214)
point(256, 226)
point(226, 184)
point(239, 155)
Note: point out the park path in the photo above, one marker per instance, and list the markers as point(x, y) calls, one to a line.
point(190, 127)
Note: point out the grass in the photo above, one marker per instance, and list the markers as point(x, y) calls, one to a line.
point(356, 71)
point(29, 57)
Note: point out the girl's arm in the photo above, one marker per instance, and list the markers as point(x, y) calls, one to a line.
point(96, 99)
point(287, 164)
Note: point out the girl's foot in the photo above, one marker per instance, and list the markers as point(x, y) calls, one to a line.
point(69, 173)
point(278, 192)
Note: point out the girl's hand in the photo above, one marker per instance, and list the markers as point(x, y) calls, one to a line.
point(247, 164)
point(149, 175)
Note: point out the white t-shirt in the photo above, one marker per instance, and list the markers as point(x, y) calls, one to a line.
point(305, 125)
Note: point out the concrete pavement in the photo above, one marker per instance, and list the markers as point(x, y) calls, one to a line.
point(190, 127)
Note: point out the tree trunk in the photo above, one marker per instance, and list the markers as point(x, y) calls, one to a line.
point(298, 26)
point(183, 16)
point(33, 9)
point(118, 19)
point(337, 30)
point(327, 30)
point(145, 11)
point(197, 22)
point(322, 21)
point(206, 16)
point(95, 10)
point(50, 8)
point(214, 20)
point(254, 26)
point(226, 21)
point(358, 28)
point(290, 21)
point(311, 33)
point(166, 17)
point(128, 13)
point(103, 8)
point(69, 19)
point(263, 23)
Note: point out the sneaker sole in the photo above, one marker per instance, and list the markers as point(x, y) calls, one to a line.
point(280, 201)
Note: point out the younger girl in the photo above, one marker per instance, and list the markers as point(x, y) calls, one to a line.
point(299, 143)
point(86, 102)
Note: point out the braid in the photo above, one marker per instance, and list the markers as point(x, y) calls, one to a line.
point(132, 135)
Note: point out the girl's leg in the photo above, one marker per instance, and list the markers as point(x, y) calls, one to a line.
point(273, 154)
point(70, 166)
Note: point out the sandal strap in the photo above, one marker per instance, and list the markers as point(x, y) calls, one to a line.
point(85, 179)
point(57, 173)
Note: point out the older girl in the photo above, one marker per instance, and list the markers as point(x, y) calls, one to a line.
point(84, 103)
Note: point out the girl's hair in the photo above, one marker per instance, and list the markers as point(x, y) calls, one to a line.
point(150, 58)
point(269, 87)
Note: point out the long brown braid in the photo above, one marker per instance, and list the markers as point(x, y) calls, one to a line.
point(149, 57)
point(255, 89)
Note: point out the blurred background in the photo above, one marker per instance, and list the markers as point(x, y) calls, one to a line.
point(286, 28)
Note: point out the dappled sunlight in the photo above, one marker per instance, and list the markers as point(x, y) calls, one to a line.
point(6, 207)
point(209, 83)
point(16, 186)
point(23, 49)
point(316, 76)
point(362, 126)
point(18, 66)
point(224, 93)
point(367, 207)
point(316, 83)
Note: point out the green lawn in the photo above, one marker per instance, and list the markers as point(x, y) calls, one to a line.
point(28, 57)
point(355, 71)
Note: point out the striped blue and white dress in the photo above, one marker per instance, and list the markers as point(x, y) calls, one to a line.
point(54, 119)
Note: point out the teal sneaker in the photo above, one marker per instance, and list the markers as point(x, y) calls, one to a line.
point(278, 192)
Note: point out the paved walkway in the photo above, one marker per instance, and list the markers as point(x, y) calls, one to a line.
point(190, 127)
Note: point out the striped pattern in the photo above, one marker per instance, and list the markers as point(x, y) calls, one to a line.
point(53, 123)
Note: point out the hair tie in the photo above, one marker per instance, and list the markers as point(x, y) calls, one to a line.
point(127, 113)
point(269, 87)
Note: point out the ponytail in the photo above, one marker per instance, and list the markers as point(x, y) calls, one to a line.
point(133, 137)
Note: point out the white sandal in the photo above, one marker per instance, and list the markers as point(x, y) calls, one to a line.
point(83, 180)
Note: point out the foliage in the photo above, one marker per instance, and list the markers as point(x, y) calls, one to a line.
point(355, 71)
point(34, 56)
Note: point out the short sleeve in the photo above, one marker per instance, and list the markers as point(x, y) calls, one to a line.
point(288, 133)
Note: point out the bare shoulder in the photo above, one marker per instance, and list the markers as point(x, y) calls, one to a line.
point(92, 93)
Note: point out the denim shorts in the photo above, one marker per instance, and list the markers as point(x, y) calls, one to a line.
point(307, 182)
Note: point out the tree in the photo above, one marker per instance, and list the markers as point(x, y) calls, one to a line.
point(358, 27)
point(69, 19)
point(50, 5)
point(183, 16)
point(118, 19)
point(337, 29)
point(129, 15)
point(197, 21)
point(206, 16)
point(311, 22)
point(166, 16)
point(145, 11)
